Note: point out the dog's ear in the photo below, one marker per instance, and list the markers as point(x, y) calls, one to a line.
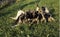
point(36, 4)
point(43, 8)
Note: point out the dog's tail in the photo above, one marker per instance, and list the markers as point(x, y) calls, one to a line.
point(13, 18)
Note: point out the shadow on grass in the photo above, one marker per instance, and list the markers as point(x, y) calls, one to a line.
point(21, 7)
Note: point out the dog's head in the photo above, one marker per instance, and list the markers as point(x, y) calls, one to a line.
point(45, 9)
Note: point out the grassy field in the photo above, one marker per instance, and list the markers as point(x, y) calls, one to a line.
point(50, 29)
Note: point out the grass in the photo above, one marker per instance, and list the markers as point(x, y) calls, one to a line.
point(50, 29)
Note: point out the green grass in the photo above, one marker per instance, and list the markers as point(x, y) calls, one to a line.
point(40, 30)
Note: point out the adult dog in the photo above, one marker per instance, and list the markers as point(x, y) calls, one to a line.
point(47, 15)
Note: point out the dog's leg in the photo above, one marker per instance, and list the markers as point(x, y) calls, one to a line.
point(43, 20)
point(50, 19)
point(34, 21)
point(37, 21)
point(16, 23)
point(19, 22)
